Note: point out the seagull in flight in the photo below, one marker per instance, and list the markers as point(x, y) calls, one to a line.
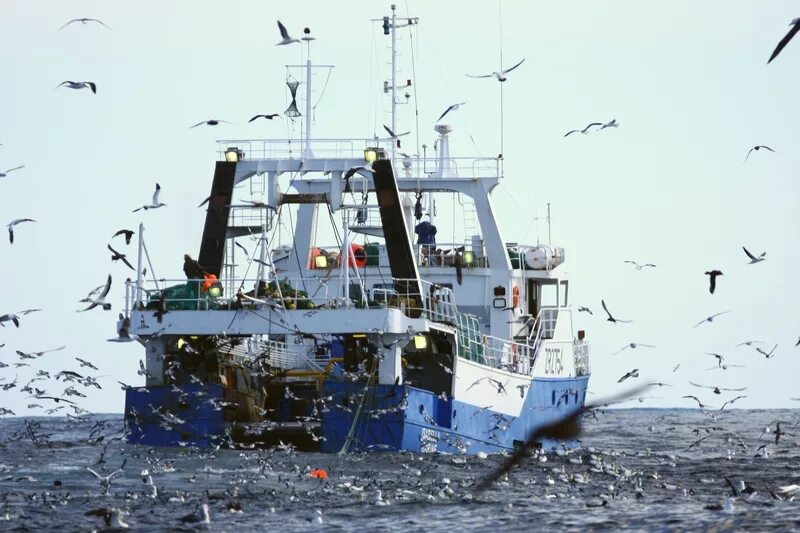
point(268, 117)
point(610, 317)
point(637, 266)
point(710, 318)
point(584, 130)
point(633, 345)
point(712, 274)
point(749, 343)
point(612, 124)
point(285, 39)
point(3, 174)
point(582, 309)
point(100, 300)
point(717, 390)
point(699, 403)
point(128, 234)
point(766, 354)
point(9, 317)
point(754, 259)
point(757, 148)
point(731, 401)
point(155, 204)
point(84, 21)
point(210, 122)
point(453, 107)
point(795, 24)
point(79, 85)
point(116, 256)
point(501, 76)
point(13, 223)
point(394, 135)
point(632, 374)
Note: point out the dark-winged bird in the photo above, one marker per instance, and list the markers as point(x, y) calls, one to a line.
point(611, 318)
point(795, 24)
point(116, 256)
point(757, 148)
point(268, 117)
point(451, 108)
point(754, 259)
point(79, 85)
point(712, 274)
point(128, 234)
point(14, 223)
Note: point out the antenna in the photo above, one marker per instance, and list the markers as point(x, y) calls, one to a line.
point(549, 236)
point(502, 112)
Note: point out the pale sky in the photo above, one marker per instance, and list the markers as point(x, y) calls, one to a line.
point(687, 81)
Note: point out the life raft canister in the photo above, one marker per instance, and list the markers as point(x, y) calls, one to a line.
point(357, 256)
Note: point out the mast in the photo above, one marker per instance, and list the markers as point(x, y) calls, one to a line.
point(307, 145)
point(394, 79)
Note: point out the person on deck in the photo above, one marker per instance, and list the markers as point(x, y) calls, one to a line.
point(194, 271)
point(426, 238)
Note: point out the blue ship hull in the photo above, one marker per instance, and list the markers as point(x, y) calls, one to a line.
point(391, 418)
point(409, 419)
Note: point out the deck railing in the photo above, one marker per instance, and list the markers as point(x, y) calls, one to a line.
point(415, 298)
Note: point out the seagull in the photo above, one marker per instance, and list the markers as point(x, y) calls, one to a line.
point(86, 363)
point(710, 318)
point(584, 130)
point(10, 317)
point(612, 124)
point(632, 374)
point(797, 343)
point(117, 256)
point(699, 403)
point(268, 117)
point(637, 266)
point(100, 300)
point(766, 354)
point(757, 148)
point(717, 390)
point(394, 135)
point(13, 223)
point(719, 357)
point(356, 170)
point(582, 309)
point(105, 481)
point(453, 107)
point(754, 259)
point(79, 85)
point(210, 122)
point(285, 39)
point(3, 174)
point(84, 21)
point(749, 343)
point(501, 76)
point(155, 203)
point(795, 24)
point(633, 345)
point(128, 234)
point(731, 401)
point(713, 279)
point(611, 318)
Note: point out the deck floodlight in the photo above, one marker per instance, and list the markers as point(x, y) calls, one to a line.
point(320, 261)
point(232, 155)
point(373, 153)
point(420, 342)
point(215, 291)
point(469, 258)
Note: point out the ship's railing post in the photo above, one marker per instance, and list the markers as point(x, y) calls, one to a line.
point(139, 276)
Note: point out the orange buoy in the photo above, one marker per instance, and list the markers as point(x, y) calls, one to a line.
point(318, 473)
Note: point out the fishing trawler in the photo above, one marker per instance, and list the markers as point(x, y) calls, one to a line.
point(364, 341)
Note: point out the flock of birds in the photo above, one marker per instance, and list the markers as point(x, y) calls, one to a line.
point(77, 382)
